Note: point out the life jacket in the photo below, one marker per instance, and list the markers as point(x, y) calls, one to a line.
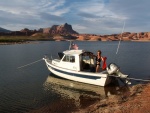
point(104, 63)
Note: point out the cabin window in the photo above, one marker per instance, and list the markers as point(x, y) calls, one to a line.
point(87, 62)
point(60, 55)
point(69, 58)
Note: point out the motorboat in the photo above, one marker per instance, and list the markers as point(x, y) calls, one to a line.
point(72, 89)
point(80, 94)
point(79, 65)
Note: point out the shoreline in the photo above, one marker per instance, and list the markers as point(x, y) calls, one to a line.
point(137, 100)
point(14, 43)
point(28, 42)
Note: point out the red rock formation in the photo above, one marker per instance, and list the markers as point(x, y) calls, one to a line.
point(65, 32)
point(148, 35)
point(65, 29)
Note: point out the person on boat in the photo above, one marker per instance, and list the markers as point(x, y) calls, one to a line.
point(98, 59)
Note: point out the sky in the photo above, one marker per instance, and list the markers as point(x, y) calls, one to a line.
point(85, 16)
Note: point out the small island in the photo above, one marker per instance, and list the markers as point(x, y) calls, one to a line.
point(64, 33)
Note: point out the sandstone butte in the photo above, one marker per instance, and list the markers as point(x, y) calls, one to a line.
point(137, 100)
point(65, 32)
point(126, 36)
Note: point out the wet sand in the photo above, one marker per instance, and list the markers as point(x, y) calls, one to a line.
point(137, 100)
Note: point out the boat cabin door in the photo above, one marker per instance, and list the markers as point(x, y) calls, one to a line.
point(87, 62)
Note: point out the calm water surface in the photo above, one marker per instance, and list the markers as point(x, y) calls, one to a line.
point(33, 89)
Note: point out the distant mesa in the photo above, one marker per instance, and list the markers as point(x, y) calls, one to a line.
point(65, 32)
point(2, 30)
point(65, 29)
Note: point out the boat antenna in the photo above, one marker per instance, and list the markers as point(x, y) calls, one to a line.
point(70, 45)
point(120, 38)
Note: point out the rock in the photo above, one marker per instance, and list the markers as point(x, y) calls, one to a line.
point(132, 36)
point(137, 101)
point(65, 32)
point(2, 30)
point(95, 38)
point(126, 38)
point(65, 29)
point(125, 34)
point(46, 30)
point(140, 35)
point(112, 38)
point(148, 35)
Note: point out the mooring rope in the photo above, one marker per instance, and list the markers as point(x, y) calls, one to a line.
point(29, 64)
point(139, 79)
point(144, 80)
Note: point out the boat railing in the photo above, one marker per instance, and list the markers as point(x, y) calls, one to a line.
point(57, 60)
point(46, 57)
point(51, 57)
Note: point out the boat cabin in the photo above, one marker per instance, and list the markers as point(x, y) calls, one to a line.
point(77, 60)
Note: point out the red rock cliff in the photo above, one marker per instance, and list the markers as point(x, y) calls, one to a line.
point(65, 29)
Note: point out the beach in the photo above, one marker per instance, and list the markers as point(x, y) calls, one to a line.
point(137, 100)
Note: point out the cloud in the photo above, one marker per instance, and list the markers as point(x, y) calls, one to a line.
point(85, 16)
point(50, 17)
point(30, 13)
point(136, 13)
point(54, 7)
point(109, 16)
point(95, 17)
point(97, 10)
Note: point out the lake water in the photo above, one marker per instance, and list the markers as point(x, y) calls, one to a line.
point(32, 89)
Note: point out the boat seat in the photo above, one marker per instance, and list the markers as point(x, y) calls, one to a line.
point(87, 67)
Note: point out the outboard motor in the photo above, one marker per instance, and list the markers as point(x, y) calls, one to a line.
point(113, 69)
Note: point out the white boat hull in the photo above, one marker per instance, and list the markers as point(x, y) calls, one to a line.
point(100, 79)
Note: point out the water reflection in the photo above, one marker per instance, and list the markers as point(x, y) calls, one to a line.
point(81, 94)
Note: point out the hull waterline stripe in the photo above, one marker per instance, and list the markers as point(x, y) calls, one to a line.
point(74, 74)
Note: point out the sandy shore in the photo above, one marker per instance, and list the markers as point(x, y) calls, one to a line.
point(137, 100)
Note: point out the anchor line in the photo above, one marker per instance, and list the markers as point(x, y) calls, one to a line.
point(30, 64)
point(139, 79)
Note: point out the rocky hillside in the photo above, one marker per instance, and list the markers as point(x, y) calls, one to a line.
point(136, 100)
point(65, 29)
point(2, 30)
point(126, 36)
point(65, 32)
